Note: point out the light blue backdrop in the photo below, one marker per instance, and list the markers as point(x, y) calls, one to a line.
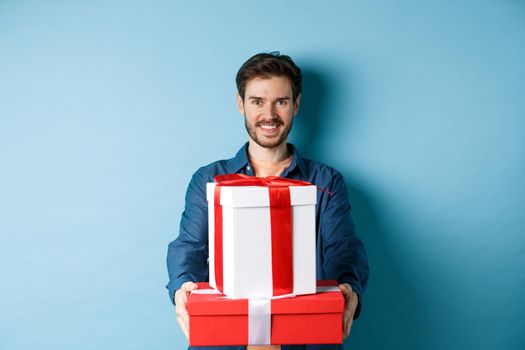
point(107, 108)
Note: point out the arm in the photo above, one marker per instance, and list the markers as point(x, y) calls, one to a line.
point(344, 255)
point(188, 253)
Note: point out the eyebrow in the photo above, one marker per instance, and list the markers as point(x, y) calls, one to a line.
point(260, 98)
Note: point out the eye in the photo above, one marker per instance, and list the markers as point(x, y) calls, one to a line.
point(282, 103)
point(256, 102)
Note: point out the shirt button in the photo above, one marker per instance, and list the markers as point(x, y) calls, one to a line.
point(248, 167)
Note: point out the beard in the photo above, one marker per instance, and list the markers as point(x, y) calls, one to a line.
point(274, 142)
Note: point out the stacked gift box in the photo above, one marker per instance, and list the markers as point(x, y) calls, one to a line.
point(262, 287)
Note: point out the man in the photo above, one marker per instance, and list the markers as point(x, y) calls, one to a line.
point(269, 95)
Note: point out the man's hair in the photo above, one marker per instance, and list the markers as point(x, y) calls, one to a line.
point(267, 65)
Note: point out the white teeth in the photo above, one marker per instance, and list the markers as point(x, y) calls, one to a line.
point(268, 126)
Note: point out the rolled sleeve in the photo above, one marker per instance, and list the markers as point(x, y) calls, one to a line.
point(344, 255)
point(188, 254)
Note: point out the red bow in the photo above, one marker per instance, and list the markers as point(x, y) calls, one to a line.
point(246, 180)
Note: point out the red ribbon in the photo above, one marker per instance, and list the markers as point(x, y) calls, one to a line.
point(280, 212)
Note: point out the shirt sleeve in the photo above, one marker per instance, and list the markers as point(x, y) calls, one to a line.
point(187, 258)
point(344, 255)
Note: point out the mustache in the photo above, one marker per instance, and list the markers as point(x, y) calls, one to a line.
point(273, 121)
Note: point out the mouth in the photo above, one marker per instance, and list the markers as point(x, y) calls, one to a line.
point(269, 128)
point(270, 124)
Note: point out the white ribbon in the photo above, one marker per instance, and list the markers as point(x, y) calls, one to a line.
point(259, 321)
point(327, 289)
point(205, 291)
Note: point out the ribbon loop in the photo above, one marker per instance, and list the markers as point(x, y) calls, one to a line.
point(246, 180)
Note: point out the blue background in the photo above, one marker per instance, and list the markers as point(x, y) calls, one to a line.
point(107, 108)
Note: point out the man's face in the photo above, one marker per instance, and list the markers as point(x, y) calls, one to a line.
point(268, 108)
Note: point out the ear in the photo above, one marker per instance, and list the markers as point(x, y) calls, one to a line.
point(240, 104)
point(296, 105)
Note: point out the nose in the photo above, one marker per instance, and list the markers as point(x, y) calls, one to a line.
point(269, 110)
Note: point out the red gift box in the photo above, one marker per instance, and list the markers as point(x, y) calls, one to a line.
point(306, 319)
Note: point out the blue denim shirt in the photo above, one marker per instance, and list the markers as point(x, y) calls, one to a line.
point(340, 253)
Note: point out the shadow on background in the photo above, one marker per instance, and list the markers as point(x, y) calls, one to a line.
point(394, 316)
point(308, 125)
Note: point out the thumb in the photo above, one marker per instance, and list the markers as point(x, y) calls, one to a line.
point(345, 288)
point(189, 286)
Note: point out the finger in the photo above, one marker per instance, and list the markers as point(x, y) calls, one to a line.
point(181, 310)
point(180, 300)
point(347, 322)
point(184, 327)
point(184, 317)
point(346, 288)
point(348, 326)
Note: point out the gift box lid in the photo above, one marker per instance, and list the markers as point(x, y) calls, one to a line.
point(258, 196)
point(199, 303)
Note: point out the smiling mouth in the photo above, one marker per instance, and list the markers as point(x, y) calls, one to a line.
point(270, 130)
point(269, 126)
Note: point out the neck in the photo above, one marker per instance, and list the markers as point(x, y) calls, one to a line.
point(275, 154)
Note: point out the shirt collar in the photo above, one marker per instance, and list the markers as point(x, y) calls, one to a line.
point(241, 160)
point(297, 161)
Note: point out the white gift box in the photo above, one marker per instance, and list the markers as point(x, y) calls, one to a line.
point(247, 246)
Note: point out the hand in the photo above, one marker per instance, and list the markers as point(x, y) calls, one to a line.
point(351, 301)
point(181, 298)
